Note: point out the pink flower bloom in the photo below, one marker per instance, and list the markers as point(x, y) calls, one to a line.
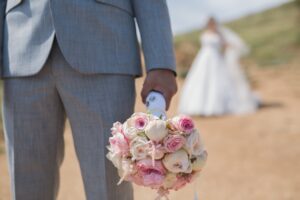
point(149, 175)
point(118, 144)
point(182, 124)
point(185, 124)
point(117, 128)
point(140, 122)
point(173, 143)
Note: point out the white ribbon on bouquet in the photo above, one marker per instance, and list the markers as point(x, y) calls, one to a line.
point(156, 104)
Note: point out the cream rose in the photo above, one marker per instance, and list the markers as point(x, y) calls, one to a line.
point(116, 159)
point(194, 145)
point(158, 153)
point(156, 130)
point(199, 162)
point(139, 148)
point(177, 162)
point(130, 132)
point(126, 169)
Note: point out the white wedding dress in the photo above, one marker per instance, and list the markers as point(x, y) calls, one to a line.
point(215, 84)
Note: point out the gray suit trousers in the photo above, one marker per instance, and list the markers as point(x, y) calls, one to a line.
point(34, 116)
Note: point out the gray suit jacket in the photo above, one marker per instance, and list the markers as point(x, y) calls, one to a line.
point(2, 15)
point(95, 36)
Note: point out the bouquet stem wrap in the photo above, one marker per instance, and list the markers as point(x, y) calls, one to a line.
point(156, 104)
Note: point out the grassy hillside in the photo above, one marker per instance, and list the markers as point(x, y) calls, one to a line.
point(273, 36)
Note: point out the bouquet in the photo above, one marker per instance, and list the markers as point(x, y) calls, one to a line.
point(152, 151)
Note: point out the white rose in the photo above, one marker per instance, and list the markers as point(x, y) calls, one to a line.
point(129, 131)
point(156, 130)
point(177, 162)
point(194, 145)
point(159, 154)
point(139, 148)
point(127, 168)
point(199, 162)
point(115, 159)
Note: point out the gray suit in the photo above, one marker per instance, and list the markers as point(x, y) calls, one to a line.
point(74, 58)
point(95, 36)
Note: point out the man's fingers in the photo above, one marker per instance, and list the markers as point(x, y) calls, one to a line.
point(168, 94)
point(145, 91)
point(168, 98)
point(162, 81)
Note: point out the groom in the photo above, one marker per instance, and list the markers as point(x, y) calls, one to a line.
point(76, 59)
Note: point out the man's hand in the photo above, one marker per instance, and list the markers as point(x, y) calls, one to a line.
point(161, 80)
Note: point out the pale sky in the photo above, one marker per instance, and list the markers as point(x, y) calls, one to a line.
point(187, 15)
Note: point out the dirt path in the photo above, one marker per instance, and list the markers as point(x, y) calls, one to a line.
point(252, 157)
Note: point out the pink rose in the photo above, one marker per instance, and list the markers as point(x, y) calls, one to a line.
point(140, 123)
point(118, 144)
point(186, 124)
point(149, 175)
point(182, 123)
point(173, 143)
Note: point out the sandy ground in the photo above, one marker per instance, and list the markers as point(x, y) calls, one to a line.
point(255, 156)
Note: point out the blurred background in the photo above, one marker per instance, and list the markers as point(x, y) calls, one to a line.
point(251, 157)
point(269, 27)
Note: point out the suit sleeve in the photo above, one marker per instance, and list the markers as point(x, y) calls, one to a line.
point(153, 20)
point(2, 16)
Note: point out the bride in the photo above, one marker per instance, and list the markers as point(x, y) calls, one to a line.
point(215, 84)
